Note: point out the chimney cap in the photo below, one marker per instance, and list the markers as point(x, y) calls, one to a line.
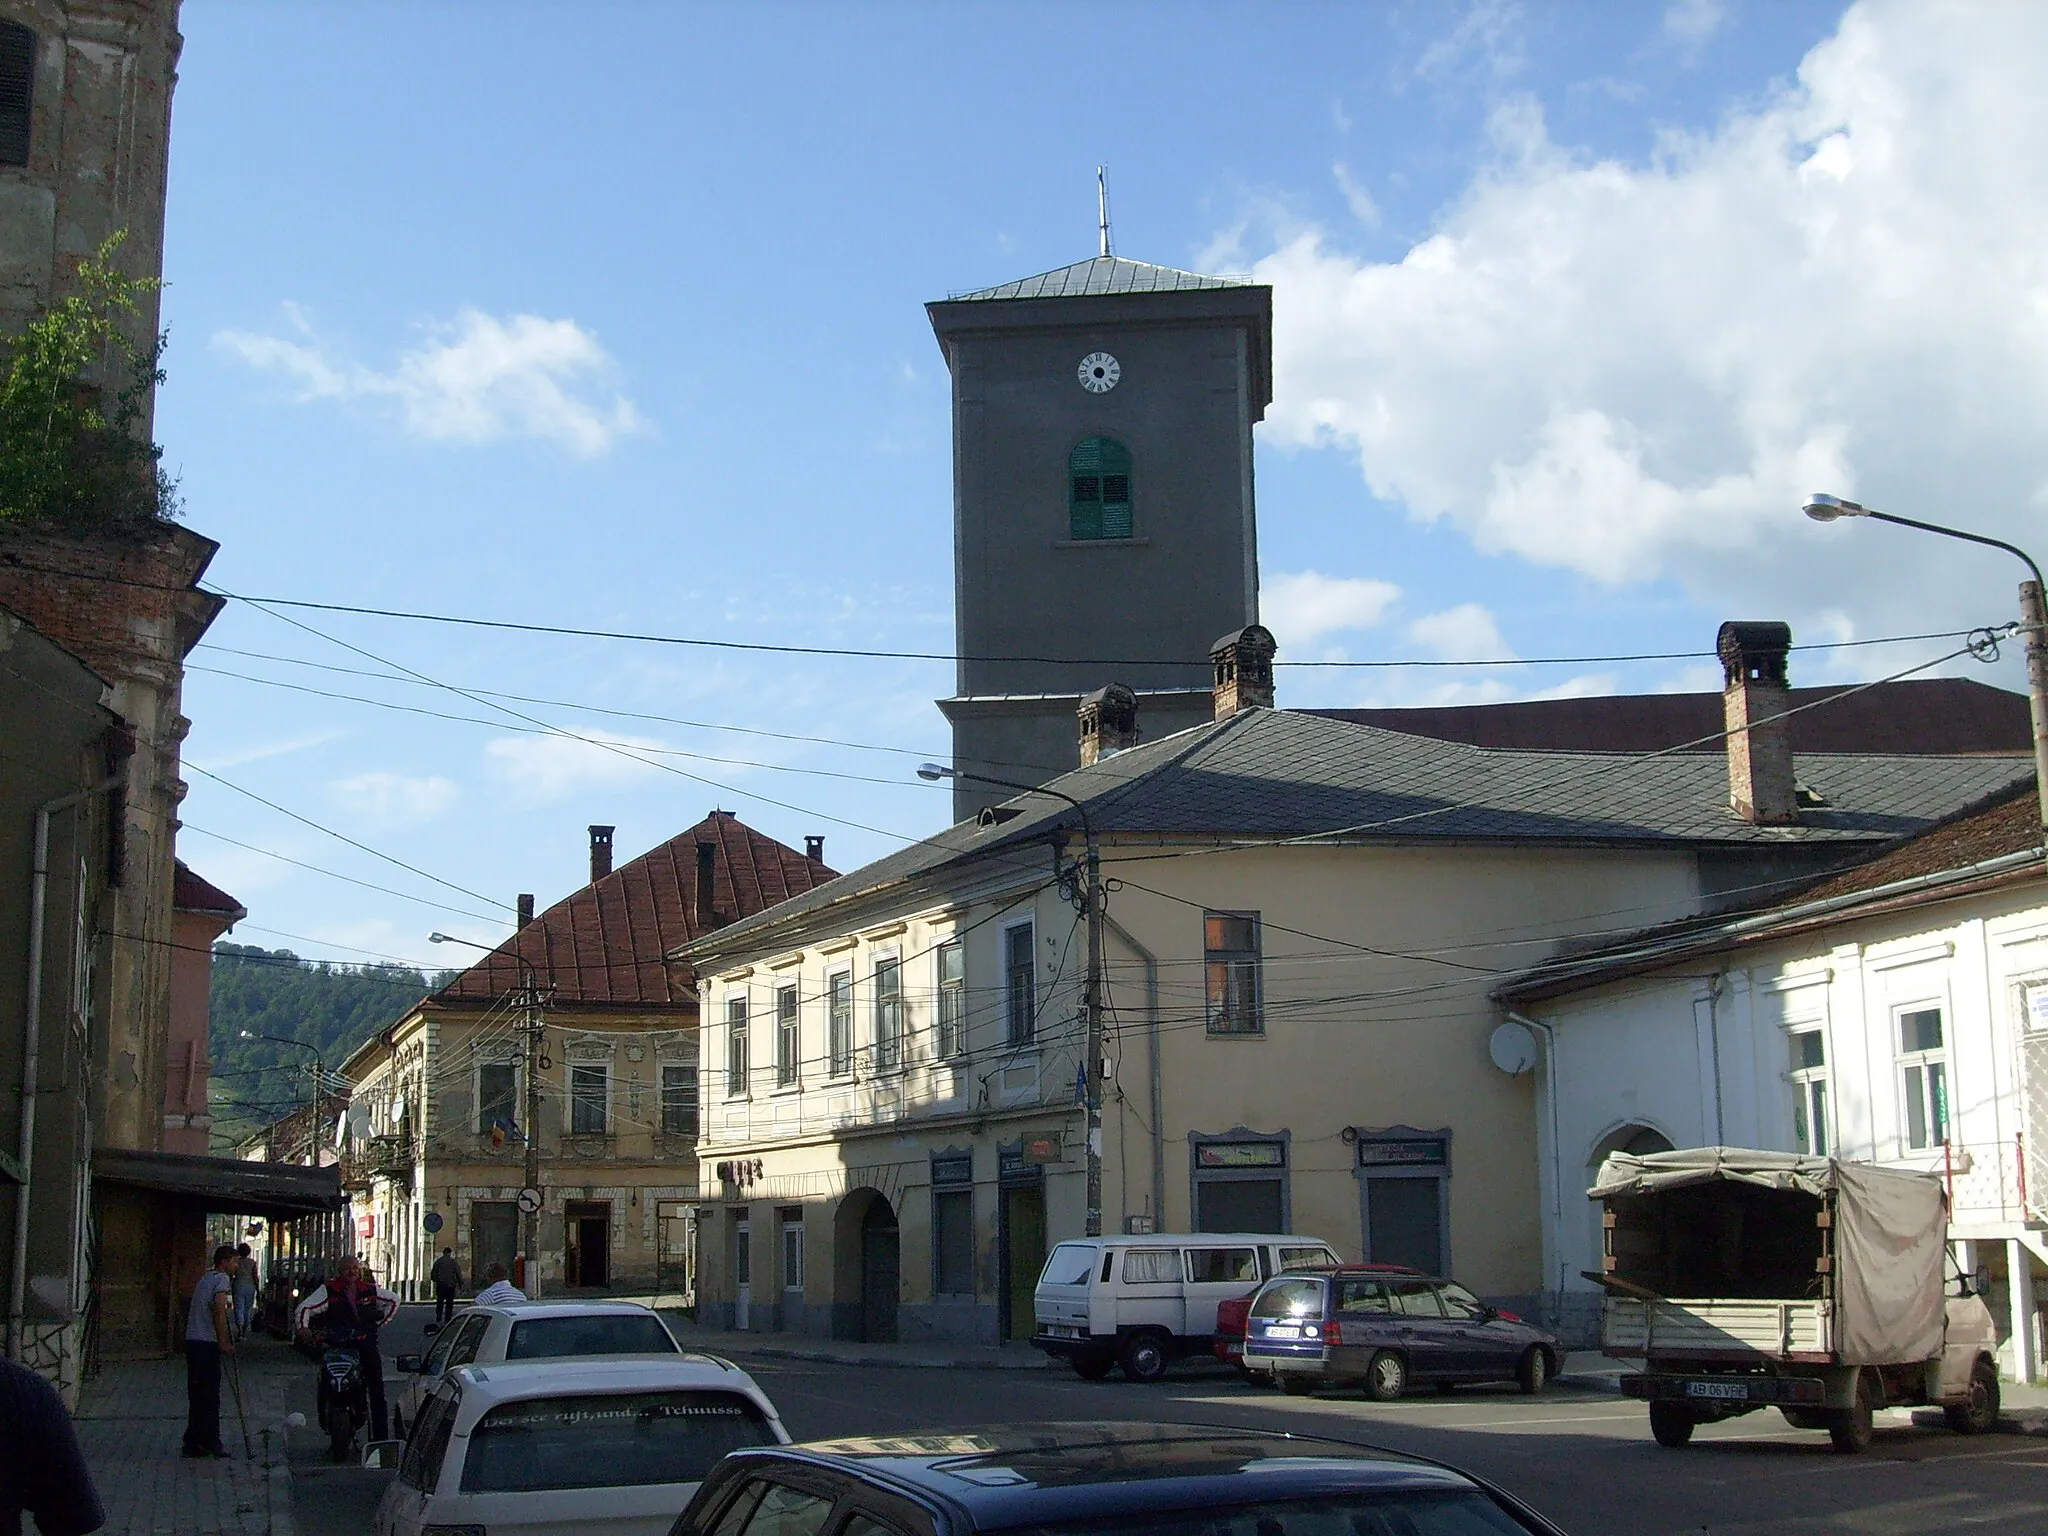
point(1753, 650)
point(1251, 640)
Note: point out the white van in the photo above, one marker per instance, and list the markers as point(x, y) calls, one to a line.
point(1140, 1301)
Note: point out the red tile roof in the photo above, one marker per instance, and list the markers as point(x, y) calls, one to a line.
point(1938, 716)
point(191, 893)
point(602, 947)
point(2008, 822)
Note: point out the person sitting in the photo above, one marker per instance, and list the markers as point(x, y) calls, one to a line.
point(350, 1309)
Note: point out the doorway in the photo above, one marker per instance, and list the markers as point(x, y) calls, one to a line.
point(493, 1237)
point(1022, 1238)
point(588, 1261)
point(742, 1273)
point(880, 1272)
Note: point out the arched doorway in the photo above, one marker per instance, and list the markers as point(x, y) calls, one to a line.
point(1637, 1140)
point(867, 1267)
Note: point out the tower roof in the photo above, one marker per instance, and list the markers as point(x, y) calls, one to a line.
point(1100, 275)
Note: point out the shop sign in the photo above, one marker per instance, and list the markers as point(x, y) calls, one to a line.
point(1240, 1154)
point(1404, 1152)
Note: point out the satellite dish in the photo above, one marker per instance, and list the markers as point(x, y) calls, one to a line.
point(359, 1123)
point(1513, 1048)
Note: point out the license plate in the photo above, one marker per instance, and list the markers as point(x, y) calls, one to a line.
point(1728, 1391)
point(1282, 1331)
point(1063, 1331)
point(1233, 1349)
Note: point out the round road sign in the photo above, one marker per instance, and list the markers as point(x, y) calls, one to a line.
point(529, 1200)
point(432, 1222)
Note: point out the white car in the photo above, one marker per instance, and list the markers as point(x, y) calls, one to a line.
point(593, 1447)
point(529, 1330)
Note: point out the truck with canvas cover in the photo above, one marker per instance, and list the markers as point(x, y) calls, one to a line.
point(1825, 1289)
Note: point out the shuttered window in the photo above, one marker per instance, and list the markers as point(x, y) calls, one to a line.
point(1099, 490)
point(17, 91)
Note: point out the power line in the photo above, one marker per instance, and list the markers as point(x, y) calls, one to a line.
point(332, 874)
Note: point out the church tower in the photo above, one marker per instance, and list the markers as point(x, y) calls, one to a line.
point(1103, 520)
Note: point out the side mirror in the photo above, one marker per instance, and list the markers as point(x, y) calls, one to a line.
point(431, 1329)
point(410, 1364)
point(384, 1455)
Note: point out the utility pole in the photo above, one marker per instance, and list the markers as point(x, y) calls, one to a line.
point(529, 1236)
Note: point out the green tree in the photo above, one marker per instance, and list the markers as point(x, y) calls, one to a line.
point(69, 460)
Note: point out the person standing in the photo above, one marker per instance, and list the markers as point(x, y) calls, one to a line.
point(245, 1289)
point(499, 1289)
point(447, 1278)
point(42, 1469)
point(207, 1339)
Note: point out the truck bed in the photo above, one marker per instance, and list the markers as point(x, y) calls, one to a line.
point(1705, 1329)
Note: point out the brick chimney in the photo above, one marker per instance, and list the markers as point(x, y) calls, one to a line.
point(1753, 705)
point(600, 852)
point(1109, 722)
point(707, 874)
point(1244, 670)
point(814, 849)
point(525, 908)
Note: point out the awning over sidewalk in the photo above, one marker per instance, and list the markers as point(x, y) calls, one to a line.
point(279, 1191)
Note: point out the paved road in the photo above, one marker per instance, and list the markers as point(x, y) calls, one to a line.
point(1585, 1459)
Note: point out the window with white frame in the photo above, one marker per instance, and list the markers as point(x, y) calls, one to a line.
point(839, 1022)
point(785, 1036)
point(1020, 977)
point(735, 1047)
point(679, 1098)
point(1809, 1079)
point(792, 1248)
point(587, 1096)
point(1230, 956)
point(1923, 1076)
point(952, 1009)
point(888, 1014)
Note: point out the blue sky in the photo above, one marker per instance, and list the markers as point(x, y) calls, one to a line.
point(610, 315)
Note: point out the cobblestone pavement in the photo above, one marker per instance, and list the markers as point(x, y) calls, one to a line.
point(131, 1420)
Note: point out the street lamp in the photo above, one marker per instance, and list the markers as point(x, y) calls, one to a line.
point(529, 1221)
point(2033, 618)
point(1092, 992)
point(319, 1080)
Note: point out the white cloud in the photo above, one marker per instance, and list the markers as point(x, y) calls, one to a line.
point(1638, 371)
point(537, 769)
point(1356, 197)
point(1464, 633)
point(1690, 23)
point(1488, 36)
point(395, 799)
point(475, 379)
point(1302, 606)
point(262, 750)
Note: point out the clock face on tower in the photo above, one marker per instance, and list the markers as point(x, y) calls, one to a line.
point(1099, 373)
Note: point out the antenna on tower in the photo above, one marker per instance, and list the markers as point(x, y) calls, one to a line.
point(1102, 204)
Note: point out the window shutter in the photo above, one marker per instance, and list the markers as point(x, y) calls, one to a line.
point(1099, 490)
point(17, 91)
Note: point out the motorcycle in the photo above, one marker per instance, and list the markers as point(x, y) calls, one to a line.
point(342, 1400)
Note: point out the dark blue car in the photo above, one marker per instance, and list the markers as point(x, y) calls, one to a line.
point(1096, 1480)
point(1385, 1329)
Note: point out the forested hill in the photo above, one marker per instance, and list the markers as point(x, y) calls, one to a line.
point(333, 1008)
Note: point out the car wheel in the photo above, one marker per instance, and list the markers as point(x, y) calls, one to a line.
point(1671, 1423)
point(1533, 1374)
point(1979, 1415)
point(1093, 1366)
point(1143, 1358)
point(1851, 1428)
point(1386, 1376)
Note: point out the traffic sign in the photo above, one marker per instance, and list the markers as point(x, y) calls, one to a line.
point(432, 1222)
point(529, 1200)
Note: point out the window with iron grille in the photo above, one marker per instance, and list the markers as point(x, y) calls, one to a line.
point(17, 91)
point(952, 1021)
point(1020, 975)
point(1099, 490)
point(679, 1098)
point(735, 1047)
point(888, 1014)
point(1230, 954)
point(839, 1023)
point(785, 1037)
point(587, 1094)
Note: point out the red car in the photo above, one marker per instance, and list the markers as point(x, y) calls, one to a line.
point(1230, 1315)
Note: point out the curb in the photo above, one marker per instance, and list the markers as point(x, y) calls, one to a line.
point(1590, 1381)
point(827, 1357)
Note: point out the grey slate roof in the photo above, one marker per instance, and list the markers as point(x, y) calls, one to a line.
point(1269, 774)
point(1103, 274)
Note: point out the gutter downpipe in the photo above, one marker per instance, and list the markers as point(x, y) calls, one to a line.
point(1549, 1033)
point(31, 1048)
point(1152, 1056)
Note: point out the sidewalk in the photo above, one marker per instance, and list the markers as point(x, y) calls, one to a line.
point(131, 1421)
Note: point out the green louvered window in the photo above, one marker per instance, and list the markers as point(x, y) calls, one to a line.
point(17, 90)
point(1099, 490)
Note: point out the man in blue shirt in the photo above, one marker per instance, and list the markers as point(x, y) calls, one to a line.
point(42, 1471)
point(207, 1338)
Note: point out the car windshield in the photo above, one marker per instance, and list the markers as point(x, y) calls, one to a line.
point(545, 1338)
point(1070, 1264)
point(1290, 1298)
point(1407, 1512)
point(613, 1440)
